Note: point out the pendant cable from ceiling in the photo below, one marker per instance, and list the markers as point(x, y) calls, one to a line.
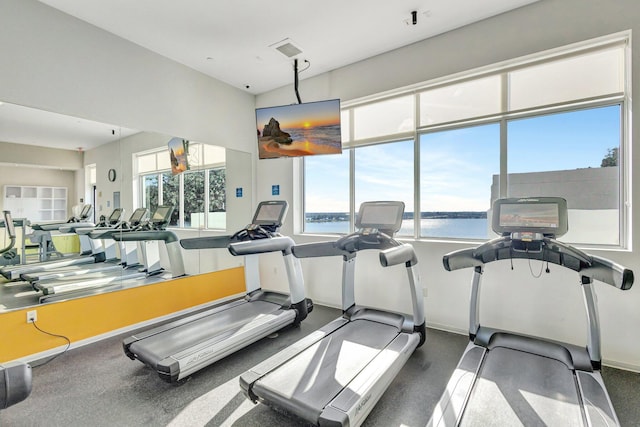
point(295, 77)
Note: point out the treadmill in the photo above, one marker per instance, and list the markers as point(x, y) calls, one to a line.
point(148, 234)
point(182, 347)
point(95, 254)
point(508, 379)
point(12, 255)
point(337, 374)
point(42, 234)
point(113, 259)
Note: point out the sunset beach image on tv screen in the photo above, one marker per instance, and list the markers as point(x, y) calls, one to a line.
point(299, 129)
point(178, 155)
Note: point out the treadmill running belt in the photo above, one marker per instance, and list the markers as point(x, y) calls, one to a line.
point(517, 388)
point(157, 347)
point(306, 384)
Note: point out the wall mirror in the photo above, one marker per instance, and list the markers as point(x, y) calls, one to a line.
point(53, 164)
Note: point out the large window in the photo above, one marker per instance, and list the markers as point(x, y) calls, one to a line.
point(551, 124)
point(456, 171)
point(327, 193)
point(385, 172)
point(198, 195)
point(572, 155)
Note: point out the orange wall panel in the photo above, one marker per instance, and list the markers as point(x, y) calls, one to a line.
point(90, 316)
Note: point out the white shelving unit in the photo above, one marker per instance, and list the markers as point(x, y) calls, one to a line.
point(36, 203)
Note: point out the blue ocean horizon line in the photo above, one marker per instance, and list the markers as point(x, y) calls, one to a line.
point(344, 216)
point(465, 228)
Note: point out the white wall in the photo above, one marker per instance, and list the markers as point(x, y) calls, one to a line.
point(54, 62)
point(22, 175)
point(550, 306)
point(58, 63)
point(40, 156)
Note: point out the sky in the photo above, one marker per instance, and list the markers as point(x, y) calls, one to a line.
point(305, 115)
point(457, 165)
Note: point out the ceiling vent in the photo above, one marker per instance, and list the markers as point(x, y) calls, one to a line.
point(287, 47)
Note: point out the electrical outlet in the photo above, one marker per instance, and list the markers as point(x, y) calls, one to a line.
point(32, 316)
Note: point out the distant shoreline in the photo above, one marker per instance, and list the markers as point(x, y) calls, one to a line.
point(343, 216)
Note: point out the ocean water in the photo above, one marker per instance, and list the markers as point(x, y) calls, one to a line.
point(323, 135)
point(463, 228)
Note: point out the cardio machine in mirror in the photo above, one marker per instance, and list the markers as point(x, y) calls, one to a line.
point(105, 169)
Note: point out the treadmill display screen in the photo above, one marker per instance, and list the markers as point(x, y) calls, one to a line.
point(162, 214)
point(380, 215)
point(137, 215)
point(270, 213)
point(115, 215)
point(544, 215)
point(86, 210)
point(530, 216)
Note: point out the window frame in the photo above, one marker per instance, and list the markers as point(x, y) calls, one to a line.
point(618, 40)
point(158, 173)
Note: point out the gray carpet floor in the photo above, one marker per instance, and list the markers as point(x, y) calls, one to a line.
point(97, 385)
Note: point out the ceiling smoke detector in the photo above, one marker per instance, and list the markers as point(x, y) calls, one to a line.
point(287, 47)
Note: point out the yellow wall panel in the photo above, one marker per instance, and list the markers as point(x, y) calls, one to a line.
point(87, 317)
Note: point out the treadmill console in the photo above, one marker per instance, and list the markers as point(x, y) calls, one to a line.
point(161, 216)
point(115, 216)
point(529, 220)
point(86, 211)
point(385, 217)
point(137, 216)
point(269, 215)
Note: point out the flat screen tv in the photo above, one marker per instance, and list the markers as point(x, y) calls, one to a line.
point(178, 152)
point(299, 129)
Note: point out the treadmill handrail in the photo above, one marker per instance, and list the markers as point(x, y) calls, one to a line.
point(209, 242)
point(404, 254)
point(552, 251)
point(53, 226)
point(142, 236)
point(609, 272)
point(275, 244)
point(462, 258)
point(346, 246)
point(101, 233)
point(76, 227)
point(318, 249)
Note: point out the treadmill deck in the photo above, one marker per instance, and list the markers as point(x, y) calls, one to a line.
point(340, 376)
point(510, 383)
point(178, 349)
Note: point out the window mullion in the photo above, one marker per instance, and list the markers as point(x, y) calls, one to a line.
point(416, 172)
point(352, 179)
point(206, 198)
point(181, 200)
point(160, 190)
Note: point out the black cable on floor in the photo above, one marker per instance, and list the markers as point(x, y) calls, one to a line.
point(53, 335)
